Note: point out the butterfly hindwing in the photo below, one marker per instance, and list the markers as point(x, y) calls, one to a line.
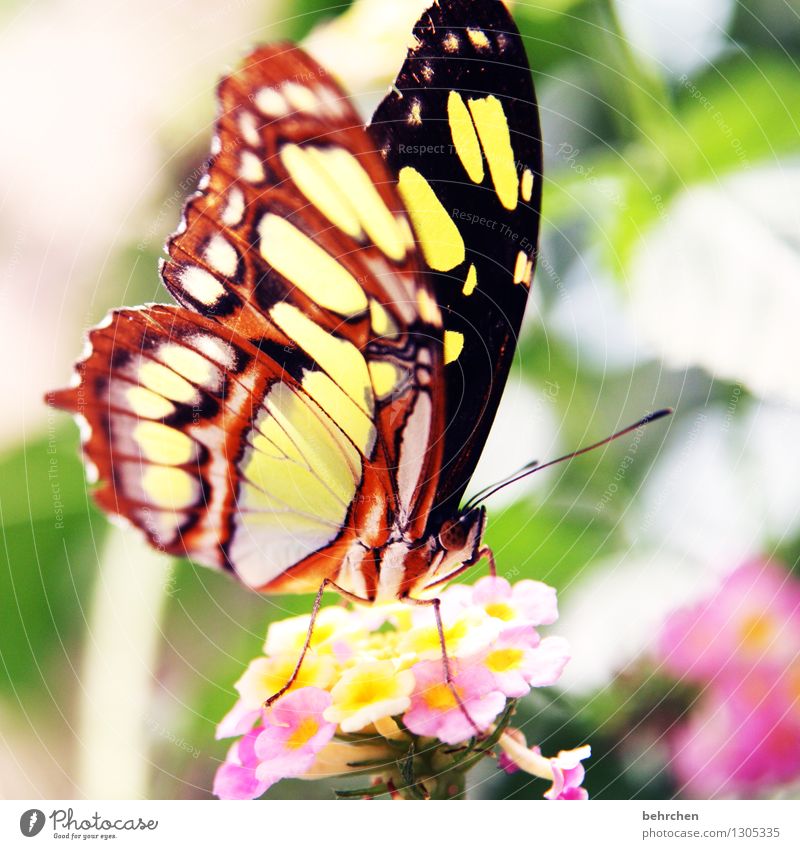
point(461, 131)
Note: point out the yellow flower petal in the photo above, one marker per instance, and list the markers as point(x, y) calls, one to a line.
point(367, 693)
point(266, 675)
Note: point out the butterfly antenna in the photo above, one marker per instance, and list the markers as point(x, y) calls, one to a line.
point(530, 468)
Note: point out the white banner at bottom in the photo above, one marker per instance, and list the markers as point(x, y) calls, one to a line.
point(376, 825)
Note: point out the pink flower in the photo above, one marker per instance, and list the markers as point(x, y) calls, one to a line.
point(263, 677)
point(285, 745)
point(565, 770)
point(518, 659)
point(236, 777)
point(294, 732)
point(527, 601)
point(743, 645)
point(743, 738)
point(568, 775)
point(754, 615)
point(434, 711)
point(238, 720)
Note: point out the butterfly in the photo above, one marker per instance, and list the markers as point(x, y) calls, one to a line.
point(348, 302)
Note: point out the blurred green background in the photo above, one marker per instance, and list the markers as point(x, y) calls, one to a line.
point(668, 275)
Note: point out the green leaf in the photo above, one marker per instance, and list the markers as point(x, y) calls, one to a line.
point(730, 119)
point(549, 542)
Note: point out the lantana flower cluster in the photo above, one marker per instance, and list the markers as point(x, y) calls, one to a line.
point(372, 696)
point(741, 649)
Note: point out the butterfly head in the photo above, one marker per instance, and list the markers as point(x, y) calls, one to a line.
point(460, 538)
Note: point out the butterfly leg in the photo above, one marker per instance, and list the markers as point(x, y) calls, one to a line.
point(487, 552)
point(435, 603)
point(327, 582)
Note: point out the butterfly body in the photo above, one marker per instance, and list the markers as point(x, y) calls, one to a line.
point(313, 407)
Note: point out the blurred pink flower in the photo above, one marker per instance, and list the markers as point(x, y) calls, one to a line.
point(434, 711)
point(754, 615)
point(743, 645)
point(743, 738)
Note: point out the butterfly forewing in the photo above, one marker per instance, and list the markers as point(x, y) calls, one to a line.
point(296, 208)
point(461, 131)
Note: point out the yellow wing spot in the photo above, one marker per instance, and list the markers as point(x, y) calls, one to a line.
point(187, 363)
point(441, 241)
point(250, 168)
point(342, 409)
point(339, 358)
point(526, 185)
point(471, 282)
point(169, 488)
point(309, 267)
point(450, 42)
point(376, 218)
point(415, 113)
point(201, 285)
point(385, 377)
point(233, 212)
point(249, 129)
point(271, 103)
point(428, 308)
point(526, 276)
point(308, 168)
point(492, 126)
point(147, 404)
point(464, 137)
point(300, 97)
point(479, 39)
point(164, 381)
point(380, 320)
point(453, 345)
point(522, 268)
point(221, 255)
point(162, 444)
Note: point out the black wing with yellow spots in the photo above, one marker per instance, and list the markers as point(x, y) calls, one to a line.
point(461, 130)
